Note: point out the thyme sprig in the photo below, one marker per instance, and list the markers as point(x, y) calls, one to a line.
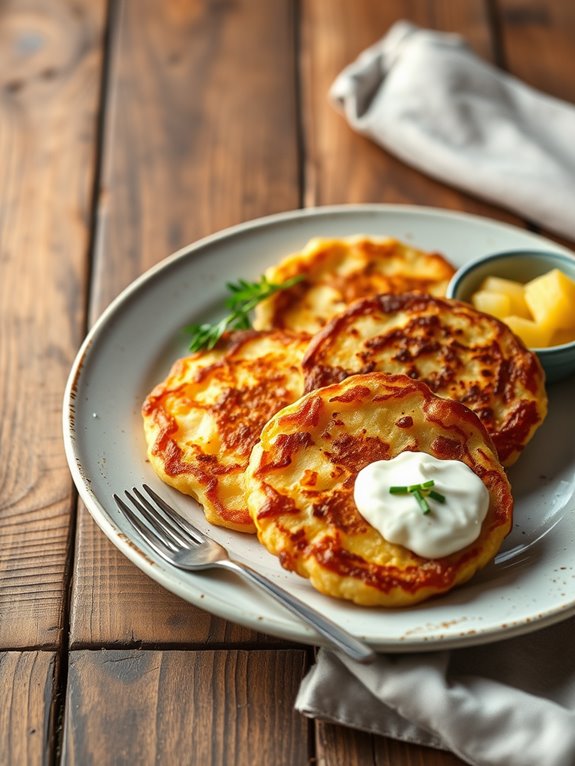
point(244, 297)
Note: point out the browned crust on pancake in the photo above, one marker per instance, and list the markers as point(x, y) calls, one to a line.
point(350, 268)
point(457, 351)
point(239, 411)
point(316, 530)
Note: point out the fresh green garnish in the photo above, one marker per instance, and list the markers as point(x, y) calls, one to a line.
point(420, 493)
point(244, 297)
point(398, 490)
point(421, 501)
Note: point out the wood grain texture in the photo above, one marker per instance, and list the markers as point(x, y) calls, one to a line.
point(118, 605)
point(336, 745)
point(201, 130)
point(50, 60)
point(538, 47)
point(27, 683)
point(201, 134)
point(538, 38)
point(341, 165)
point(196, 708)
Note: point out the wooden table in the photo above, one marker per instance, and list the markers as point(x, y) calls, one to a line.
point(128, 129)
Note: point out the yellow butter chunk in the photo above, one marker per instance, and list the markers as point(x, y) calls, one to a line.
point(562, 336)
point(496, 304)
point(534, 335)
point(513, 290)
point(551, 299)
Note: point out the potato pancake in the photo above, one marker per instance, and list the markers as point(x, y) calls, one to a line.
point(337, 272)
point(301, 476)
point(459, 352)
point(202, 421)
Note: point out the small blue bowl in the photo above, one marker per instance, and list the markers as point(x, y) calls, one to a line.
point(521, 266)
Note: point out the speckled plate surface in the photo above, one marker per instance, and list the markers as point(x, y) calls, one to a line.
point(131, 347)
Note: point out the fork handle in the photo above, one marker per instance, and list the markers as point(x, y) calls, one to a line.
point(337, 637)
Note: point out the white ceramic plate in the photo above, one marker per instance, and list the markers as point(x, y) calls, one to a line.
point(132, 346)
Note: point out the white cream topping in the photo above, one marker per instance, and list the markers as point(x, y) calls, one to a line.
point(448, 527)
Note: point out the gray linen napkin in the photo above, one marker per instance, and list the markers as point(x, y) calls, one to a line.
point(511, 703)
point(427, 98)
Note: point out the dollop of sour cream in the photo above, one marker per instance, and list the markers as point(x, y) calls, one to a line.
point(448, 527)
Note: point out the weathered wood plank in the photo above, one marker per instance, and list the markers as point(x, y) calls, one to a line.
point(538, 38)
point(342, 166)
point(538, 47)
point(118, 605)
point(50, 63)
point(201, 134)
point(26, 722)
point(199, 708)
point(336, 745)
point(201, 131)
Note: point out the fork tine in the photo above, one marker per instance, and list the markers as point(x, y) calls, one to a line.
point(183, 524)
point(155, 519)
point(149, 535)
point(166, 522)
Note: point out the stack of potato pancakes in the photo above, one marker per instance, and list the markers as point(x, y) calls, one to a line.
point(360, 360)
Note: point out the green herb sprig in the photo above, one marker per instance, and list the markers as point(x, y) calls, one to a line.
point(244, 297)
point(420, 492)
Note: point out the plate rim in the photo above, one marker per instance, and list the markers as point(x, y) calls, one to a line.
point(130, 547)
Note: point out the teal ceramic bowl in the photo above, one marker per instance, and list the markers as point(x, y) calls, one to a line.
point(521, 266)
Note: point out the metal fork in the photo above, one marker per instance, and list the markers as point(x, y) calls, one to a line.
point(181, 544)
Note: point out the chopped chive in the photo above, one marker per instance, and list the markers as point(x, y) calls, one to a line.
point(411, 487)
point(420, 492)
point(422, 502)
point(398, 490)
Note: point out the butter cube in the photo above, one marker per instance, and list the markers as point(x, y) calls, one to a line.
point(562, 336)
point(551, 299)
point(534, 335)
point(513, 290)
point(496, 304)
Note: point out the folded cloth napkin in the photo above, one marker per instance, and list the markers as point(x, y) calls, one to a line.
point(427, 98)
point(510, 703)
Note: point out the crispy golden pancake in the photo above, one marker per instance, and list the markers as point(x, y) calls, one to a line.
point(459, 352)
point(202, 421)
point(301, 476)
point(337, 272)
